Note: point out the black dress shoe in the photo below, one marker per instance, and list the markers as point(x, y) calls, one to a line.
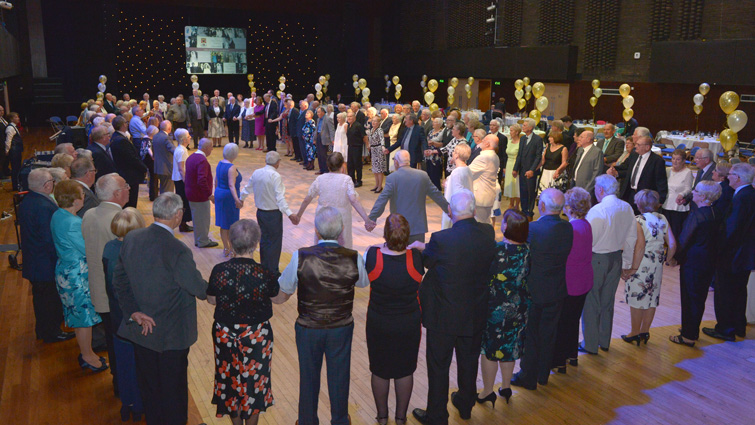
point(421, 416)
point(604, 349)
point(543, 381)
point(464, 414)
point(573, 362)
point(62, 336)
point(713, 333)
point(518, 383)
point(185, 228)
point(582, 349)
point(358, 184)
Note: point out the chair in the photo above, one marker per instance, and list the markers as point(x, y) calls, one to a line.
point(702, 145)
point(72, 119)
point(735, 160)
point(751, 160)
point(56, 123)
point(681, 146)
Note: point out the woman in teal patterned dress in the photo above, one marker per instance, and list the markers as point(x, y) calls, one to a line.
point(72, 273)
point(502, 338)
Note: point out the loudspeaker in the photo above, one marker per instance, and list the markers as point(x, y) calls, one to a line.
point(75, 135)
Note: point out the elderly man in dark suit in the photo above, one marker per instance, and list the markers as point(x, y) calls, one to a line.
point(198, 119)
point(99, 145)
point(527, 161)
point(293, 129)
point(158, 299)
point(303, 107)
point(642, 170)
point(736, 255)
point(162, 149)
point(550, 241)
point(232, 111)
point(407, 189)
point(83, 171)
point(126, 159)
point(324, 134)
point(611, 146)
point(271, 113)
point(454, 297)
point(34, 215)
point(413, 141)
point(704, 161)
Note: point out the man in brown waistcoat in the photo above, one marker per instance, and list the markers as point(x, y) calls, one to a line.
point(326, 275)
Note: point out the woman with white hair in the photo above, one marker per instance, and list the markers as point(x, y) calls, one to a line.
point(433, 158)
point(148, 158)
point(459, 179)
point(511, 183)
point(339, 141)
point(376, 151)
point(216, 130)
point(246, 116)
point(180, 155)
point(227, 201)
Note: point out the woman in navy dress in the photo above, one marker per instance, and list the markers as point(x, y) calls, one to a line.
point(227, 202)
point(502, 338)
point(393, 317)
point(308, 134)
point(128, 388)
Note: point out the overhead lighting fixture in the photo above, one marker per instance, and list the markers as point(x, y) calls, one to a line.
point(491, 7)
point(490, 20)
point(6, 5)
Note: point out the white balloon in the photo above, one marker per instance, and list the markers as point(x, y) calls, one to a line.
point(399, 87)
point(318, 87)
point(355, 84)
point(422, 84)
point(628, 101)
point(387, 84)
point(698, 99)
point(326, 83)
point(101, 87)
point(195, 86)
point(282, 86)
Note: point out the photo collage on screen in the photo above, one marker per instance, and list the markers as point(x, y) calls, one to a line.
point(215, 50)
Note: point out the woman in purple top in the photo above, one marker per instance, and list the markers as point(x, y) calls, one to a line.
point(579, 279)
point(259, 122)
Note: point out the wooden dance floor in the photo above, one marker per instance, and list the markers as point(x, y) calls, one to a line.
point(657, 383)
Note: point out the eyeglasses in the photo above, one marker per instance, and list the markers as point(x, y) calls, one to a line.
point(48, 181)
point(93, 170)
point(126, 187)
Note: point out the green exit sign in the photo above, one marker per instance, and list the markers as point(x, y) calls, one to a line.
point(497, 83)
point(441, 81)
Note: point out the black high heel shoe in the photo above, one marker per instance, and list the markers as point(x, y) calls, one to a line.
point(85, 365)
point(645, 337)
point(632, 339)
point(505, 393)
point(490, 397)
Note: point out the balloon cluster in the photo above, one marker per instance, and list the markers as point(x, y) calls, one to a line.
point(399, 87)
point(627, 101)
point(322, 86)
point(735, 119)
point(281, 86)
point(432, 85)
point(249, 77)
point(523, 92)
point(468, 87)
point(451, 90)
point(541, 102)
point(101, 87)
point(698, 100)
point(355, 84)
point(423, 83)
point(195, 84)
point(596, 93)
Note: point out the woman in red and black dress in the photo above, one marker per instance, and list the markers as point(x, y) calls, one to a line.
point(242, 291)
point(393, 317)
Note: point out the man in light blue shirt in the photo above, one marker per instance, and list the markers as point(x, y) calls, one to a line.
point(136, 127)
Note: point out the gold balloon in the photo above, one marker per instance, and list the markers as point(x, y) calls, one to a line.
point(194, 78)
point(100, 95)
point(521, 103)
point(362, 83)
point(518, 94)
point(469, 94)
point(538, 89)
point(357, 90)
point(424, 89)
point(704, 88)
point(365, 99)
point(728, 139)
point(450, 99)
point(249, 77)
point(84, 105)
point(729, 102)
point(454, 82)
point(432, 85)
point(434, 107)
point(327, 77)
point(528, 96)
point(737, 120)
point(319, 95)
point(322, 80)
point(470, 80)
point(424, 78)
point(526, 81)
point(698, 109)
point(527, 88)
point(597, 92)
point(199, 92)
point(628, 102)
point(627, 114)
point(395, 79)
point(281, 79)
point(535, 115)
point(254, 90)
point(593, 101)
point(324, 89)
point(518, 84)
point(103, 79)
point(624, 90)
point(278, 94)
point(451, 90)
point(541, 103)
point(355, 77)
point(252, 75)
point(429, 97)
point(595, 83)
point(251, 84)
point(398, 95)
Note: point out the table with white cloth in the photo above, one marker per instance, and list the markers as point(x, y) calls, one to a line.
point(595, 128)
point(510, 120)
point(678, 139)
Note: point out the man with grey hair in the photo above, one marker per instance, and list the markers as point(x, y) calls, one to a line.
point(705, 168)
point(413, 140)
point(642, 170)
point(484, 171)
point(66, 148)
point(198, 182)
point(427, 122)
point(324, 135)
point(611, 146)
point(614, 234)
point(83, 171)
point(197, 119)
point(325, 276)
point(270, 199)
point(454, 299)
point(588, 163)
point(162, 149)
point(136, 127)
point(112, 192)
point(550, 240)
point(158, 300)
point(127, 160)
point(34, 216)
point(527, 161)
point(496, 128)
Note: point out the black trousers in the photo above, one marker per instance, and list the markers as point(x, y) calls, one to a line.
point(108, 327)
point(567, 334)
point(297, 148)
point(153, 183)
point(434, 171)
point(133, 193)
point(539, 338)
point(354, 163)
point(440, 350)
point(48, 310)
point(181, 191)
point(675, 220)
point(164, 385)
point(271, 238)
point(527, 194)
point(270, 136)
point(693, 290)
point(15, 159)
point(197, 132)
point(322, 155)
point(730, 302)
point(233, 131)
point(178, 124)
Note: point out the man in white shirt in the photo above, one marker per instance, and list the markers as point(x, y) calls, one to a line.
point(589, 162)
point(614, 234)
point(270, 200)
point(484, 171)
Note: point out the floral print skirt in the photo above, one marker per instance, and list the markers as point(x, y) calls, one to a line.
point(72, 280)
point(242, 369)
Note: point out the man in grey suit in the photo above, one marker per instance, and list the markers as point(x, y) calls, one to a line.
point(407, 189)
point(160, 310)
point(198, 120)
point(705, 167)
point(325, 133)
point(611, 146)
point(83, 171)
point(527, 161)
point(162, 148)
point(588, 163)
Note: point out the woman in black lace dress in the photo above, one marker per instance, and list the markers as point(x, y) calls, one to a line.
point(242, 291)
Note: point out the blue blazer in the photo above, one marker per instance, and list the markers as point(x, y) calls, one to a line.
point(737, 243)
point(293, 121)
point(550, 241)
point(232, 111)
point(300, 123)
point(528, 157)
point(34, 216)
point(102, 161)
point(417, 144)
